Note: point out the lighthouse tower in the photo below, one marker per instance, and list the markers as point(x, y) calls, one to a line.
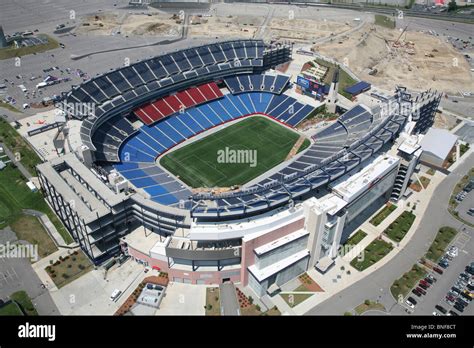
point(333, 96)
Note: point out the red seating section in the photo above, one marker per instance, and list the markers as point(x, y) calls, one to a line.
point(173, 103)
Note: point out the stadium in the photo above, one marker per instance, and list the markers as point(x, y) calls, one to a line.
point(144, 176)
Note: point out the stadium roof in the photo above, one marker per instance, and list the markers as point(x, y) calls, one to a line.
point(439, 142)
point(358, 88)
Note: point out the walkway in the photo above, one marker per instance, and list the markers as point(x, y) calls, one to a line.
point(229, 303)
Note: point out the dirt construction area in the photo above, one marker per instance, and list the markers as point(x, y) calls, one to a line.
point(129, 24)
point(417, 60)
point(304, 30)
point(230, 26)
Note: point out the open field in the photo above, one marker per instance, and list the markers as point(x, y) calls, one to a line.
point(16, 196)
point(29, 228)
point(199, 165)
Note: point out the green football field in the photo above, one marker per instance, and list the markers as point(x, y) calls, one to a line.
point(217, 160)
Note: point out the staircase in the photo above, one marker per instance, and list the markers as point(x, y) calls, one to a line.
point(399, 182)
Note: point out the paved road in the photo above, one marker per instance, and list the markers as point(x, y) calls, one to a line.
point(376, 286)
point(17, 274)
point(229, 303)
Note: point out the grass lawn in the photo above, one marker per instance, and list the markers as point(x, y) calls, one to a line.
point(197, 164)
point(213, 306)
point(8, 107)
point(272, 312)
point(368, 305)
point(384, 21)
point(371, 254)
point(382, 215)
point(29, 228)
point(345, 80)
point(10, 52)
point(444, 236)
point(399, 228)
point(463, 148)
point(403, 285)
point(425, 181)
point(18, 145)
point(353, 241)
point(16, 196)
point(71, 267)
point(22, 298)
point(295, 299)
point(10, 309)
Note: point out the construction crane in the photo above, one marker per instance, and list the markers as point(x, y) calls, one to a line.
point(403, 31)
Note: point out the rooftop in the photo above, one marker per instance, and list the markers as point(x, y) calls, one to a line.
point(439, 142)
point(351, 185)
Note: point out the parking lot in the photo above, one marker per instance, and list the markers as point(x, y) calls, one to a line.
point(437, 291)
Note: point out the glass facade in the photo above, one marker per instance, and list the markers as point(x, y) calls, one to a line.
point(280, 278)
point(370, 196)
point(281, 252)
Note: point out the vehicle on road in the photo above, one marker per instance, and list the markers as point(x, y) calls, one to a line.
point(115, 294)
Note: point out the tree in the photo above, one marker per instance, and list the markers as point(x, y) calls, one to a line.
point(452, 6)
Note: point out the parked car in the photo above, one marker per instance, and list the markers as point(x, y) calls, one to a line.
point(423, 286)
point(453, 313)
point(465, 276)
point(443, 263)
point(411, 302)
point(416, 292)
point(459, 307)
point(423, 292)
point(441, 309)
point(432, 277)
point(466, 295)
point(438, 270)
point(429, 280)
point(424, 282)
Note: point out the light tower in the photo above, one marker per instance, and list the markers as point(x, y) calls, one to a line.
point(3, 40)
point(333, 96)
